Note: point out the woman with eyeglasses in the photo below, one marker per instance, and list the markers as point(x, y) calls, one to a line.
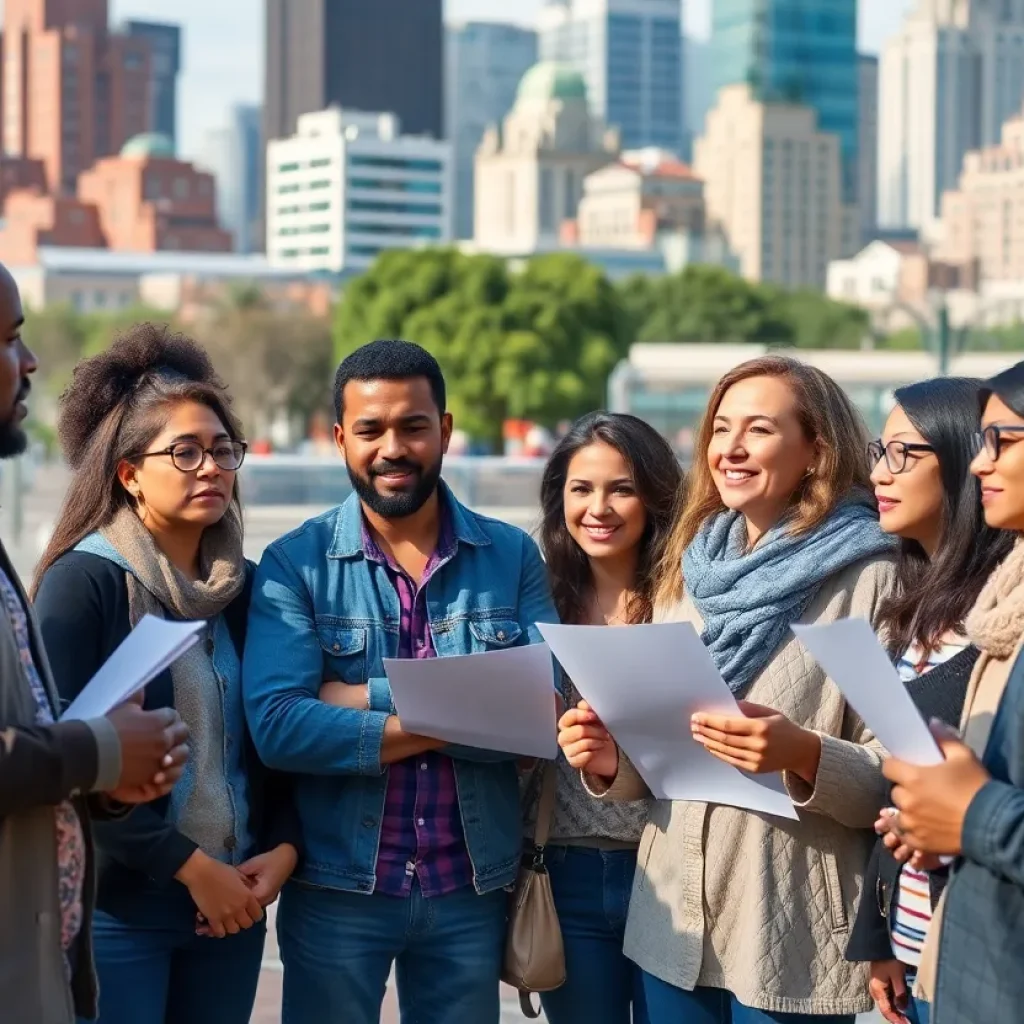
point(928, 499)
point(971, 806)
point(152, 525)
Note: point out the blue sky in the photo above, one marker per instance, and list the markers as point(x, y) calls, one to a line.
point(224, 46)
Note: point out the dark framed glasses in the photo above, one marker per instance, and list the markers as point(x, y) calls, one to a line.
point(991, 438)
point(897, 454)
point(188, 456)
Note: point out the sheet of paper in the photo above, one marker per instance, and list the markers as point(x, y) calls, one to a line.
point(497, 700)
point(856, 662)
point(152, 646)
point(645, 683)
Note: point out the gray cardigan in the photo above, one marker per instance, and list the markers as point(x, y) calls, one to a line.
point(41, 766)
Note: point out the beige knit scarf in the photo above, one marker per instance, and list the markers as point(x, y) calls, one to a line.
point(996, 626)
point(154, 584)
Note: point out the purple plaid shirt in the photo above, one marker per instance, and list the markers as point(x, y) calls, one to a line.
point(421, 834)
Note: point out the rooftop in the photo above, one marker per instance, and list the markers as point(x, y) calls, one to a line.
point(550, 81)
point(149, 145)
point(71, 260)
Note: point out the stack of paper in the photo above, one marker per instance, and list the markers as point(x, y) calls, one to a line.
point(154, 645)
point(645, 683)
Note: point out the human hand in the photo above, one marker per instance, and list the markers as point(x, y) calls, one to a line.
point(586, 743)
point(888, 988)
point(759, 741)
point(154, 749)
point(345, 695)
point(932, 802)
point(886, 826)
point(223, 896)
point(268, 872)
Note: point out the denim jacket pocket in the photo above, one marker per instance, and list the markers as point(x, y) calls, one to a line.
point(496, 633)
point(344, 652)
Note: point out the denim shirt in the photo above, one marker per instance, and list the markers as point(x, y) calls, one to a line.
point(321, 609)
point(228, 670)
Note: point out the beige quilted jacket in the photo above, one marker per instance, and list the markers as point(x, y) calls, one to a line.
point(753, 904)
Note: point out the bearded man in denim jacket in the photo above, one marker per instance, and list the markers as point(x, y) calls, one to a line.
point(410, 843)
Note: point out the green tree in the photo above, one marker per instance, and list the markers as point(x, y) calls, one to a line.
point(537, 343)
point(819, 322)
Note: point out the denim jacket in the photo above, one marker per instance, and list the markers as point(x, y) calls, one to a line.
point(321, 609)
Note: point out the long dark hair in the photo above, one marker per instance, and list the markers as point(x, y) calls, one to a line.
point(1007, 386)
point(658, 479)
point(933, 597)
point(116, 403)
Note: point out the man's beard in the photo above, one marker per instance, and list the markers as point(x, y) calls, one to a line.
point(401, 504)
point(13, 439)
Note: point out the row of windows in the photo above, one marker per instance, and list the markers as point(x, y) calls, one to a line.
point(297, 165)
point(383, 206)
point(429, 188)
point(316, 250)
point(284, 211)
point(396, 164)
point(311, 229)
point(399, 230)
point(283, 190)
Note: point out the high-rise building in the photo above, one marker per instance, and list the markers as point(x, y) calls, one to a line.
point(773, 185)
point(795, 51)
point(72, 91)
point(384, 55)
point(698, 92)
point(530, 169)
point(348, 186)
point(629, 53)
point(164, 65)
point(947, 82)
point(234, 155)
point(867, 145)
point(484, 62)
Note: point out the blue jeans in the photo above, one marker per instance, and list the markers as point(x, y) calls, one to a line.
point(338, 948)
point(592, 889)
point(917, 1011)
point(670, 1005)
point(154, 969)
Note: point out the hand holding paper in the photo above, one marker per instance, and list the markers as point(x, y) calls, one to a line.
point(645, 683)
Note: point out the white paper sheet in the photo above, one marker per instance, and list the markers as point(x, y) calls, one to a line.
point(856, 662)
point(497, 700)
point(152, 646)
point(645, 683)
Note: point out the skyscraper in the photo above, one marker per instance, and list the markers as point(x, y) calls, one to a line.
point(484, 62)
point(630, 55)
point(947, 82)
point(234, 155)
point(72, 91)
point(795, 51)
point(381, 56)
point(164, 65)
point(867, 146)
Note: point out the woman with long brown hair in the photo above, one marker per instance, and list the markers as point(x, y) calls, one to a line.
point(608, 497)
point(737, 917)
point(152, 524)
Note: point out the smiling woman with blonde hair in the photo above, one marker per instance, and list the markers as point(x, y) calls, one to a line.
point(737, 917)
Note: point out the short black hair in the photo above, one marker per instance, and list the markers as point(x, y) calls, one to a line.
point(389, 359)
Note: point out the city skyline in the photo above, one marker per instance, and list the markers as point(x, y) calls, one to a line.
point(214, 76)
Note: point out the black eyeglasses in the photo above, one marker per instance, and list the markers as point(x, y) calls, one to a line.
point(188, 456)
point(991, 438)
point(896, 453)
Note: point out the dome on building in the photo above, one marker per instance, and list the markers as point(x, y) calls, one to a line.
point(550, 81)
point(149, 144)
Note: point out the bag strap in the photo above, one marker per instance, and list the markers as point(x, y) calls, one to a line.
point(526, 1007)
point(545, 806)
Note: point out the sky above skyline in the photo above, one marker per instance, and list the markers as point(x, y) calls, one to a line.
point(223, 46)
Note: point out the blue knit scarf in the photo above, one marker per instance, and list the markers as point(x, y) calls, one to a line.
point(748, 598)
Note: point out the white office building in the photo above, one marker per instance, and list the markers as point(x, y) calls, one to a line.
point(484, 63)
point(348, 186)
point(947, 83)
point(630, 53)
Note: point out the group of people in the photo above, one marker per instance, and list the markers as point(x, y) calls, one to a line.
point(139, 851)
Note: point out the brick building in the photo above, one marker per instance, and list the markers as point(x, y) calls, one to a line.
point(72, 91)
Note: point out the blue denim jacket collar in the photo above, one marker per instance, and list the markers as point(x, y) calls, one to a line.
point(348, 534)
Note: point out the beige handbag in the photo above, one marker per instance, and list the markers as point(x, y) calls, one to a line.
point(534, 954)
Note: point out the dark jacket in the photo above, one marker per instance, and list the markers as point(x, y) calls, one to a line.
point(939, 693)
point(981, 949)
point(41, 766)
point(82, 607)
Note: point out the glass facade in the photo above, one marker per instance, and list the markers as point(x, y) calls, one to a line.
point(802, 51)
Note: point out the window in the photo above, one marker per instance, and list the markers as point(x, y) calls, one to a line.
point(320, 250)
point(324, 161)
point(395, 164)
point(286, 189)
point(181, 189)
point(317, 207)
point(321, 183)
point(287, 168)
point(382, 206)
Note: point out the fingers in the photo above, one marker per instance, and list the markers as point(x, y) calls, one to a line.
point(174, 767)
point(735, 741)
point(175, 735)
point(898, 771)
point(734, 757)
point(577, 717)
point(583, 751)
point(254, 908)
point(727, 724)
